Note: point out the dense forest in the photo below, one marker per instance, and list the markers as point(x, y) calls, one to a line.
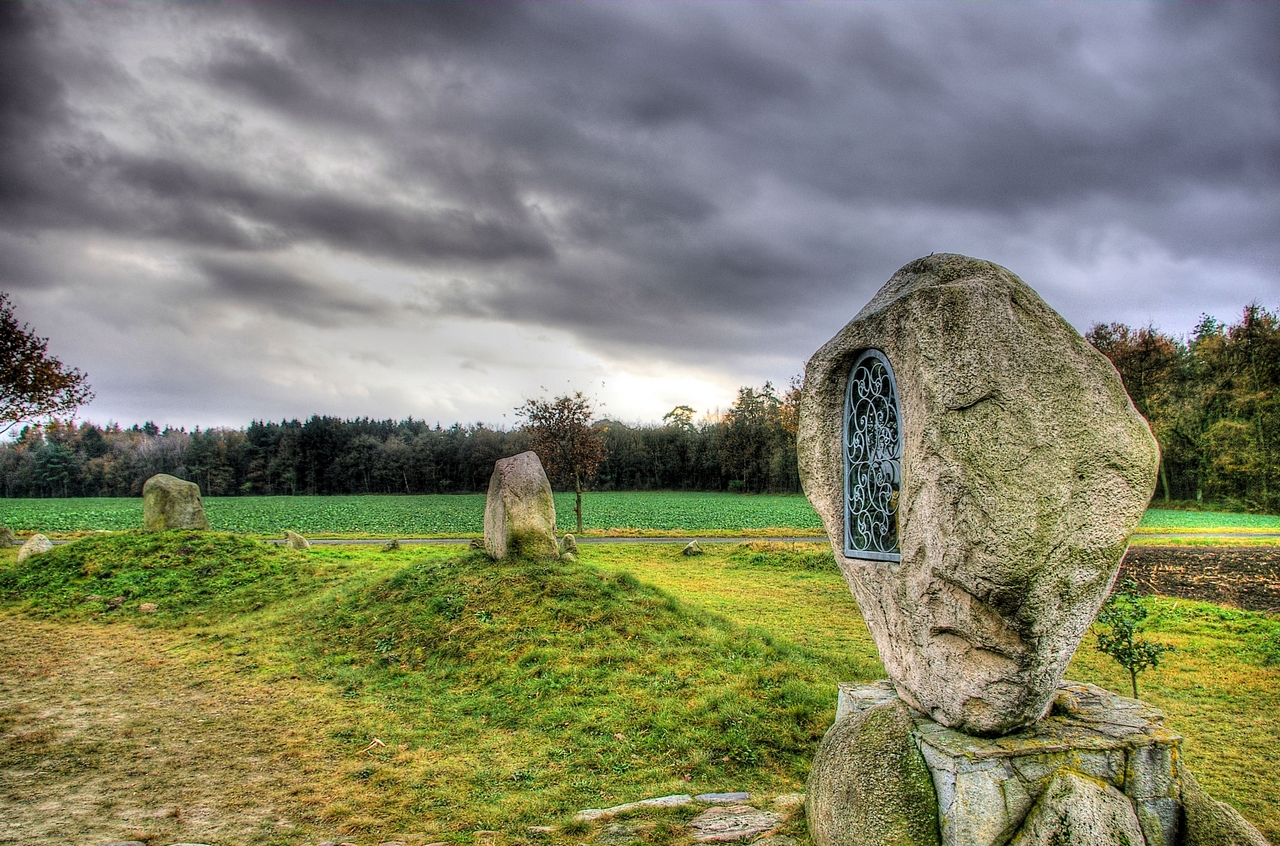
point(749, 448)
point(1213, 402)
point(1212, 398)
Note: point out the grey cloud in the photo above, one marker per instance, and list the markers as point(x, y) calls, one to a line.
point(284, 294)
point(704, 181)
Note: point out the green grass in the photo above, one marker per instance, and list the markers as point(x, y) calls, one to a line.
point(513, 694)
point(462, 515)
point(453, 515)
point(507, 694)
point(1158, 520)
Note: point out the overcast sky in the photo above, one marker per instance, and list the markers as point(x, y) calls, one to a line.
point(227, 212)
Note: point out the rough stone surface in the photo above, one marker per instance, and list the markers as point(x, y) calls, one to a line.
point(985, 788)
point(674, 801)
point(1076, 809)
point(520, 513)
point(170, 503)
point(35, 545)
point(1025, 467)
point(569, 544)
point(691, 548)
point(734, 798)
point(1209, 822)
point(148, 608)
point(6, 537)
point(293, 540)
point(728, 823)
point(869, 784)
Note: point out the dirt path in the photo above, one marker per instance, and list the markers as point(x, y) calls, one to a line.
point(107, 735)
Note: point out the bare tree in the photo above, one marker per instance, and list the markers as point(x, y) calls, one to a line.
point(33, 384)
point(560, 433)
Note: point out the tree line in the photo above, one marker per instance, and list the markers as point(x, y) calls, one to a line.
point(1213, 402)
point(749, 448)
point(1212, 399)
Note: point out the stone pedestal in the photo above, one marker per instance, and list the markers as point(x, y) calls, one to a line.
point(987, 787)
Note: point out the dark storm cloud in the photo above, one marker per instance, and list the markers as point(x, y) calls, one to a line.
point(717, 181)
point(281, 293)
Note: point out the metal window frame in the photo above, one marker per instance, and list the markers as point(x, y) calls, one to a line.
point(849, 551)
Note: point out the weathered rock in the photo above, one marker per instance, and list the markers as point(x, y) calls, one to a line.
point(35, 545)
point(568, 557)
point(293, 540)
point(986, 787)
point(869, 784)
point(775, 840)
point(691, 548)
point(1209, 822)
point(170, 503)
point(1024, 468)
point(148, 608)
point(6, 537)
point(674, 801)
point(391, 545)
point(520, 513)
point(568, 543)
point(115, 602)
point(727, 823)
point(735, 798)
point(1076, 809)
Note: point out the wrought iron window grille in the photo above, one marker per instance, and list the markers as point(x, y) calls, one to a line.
point(872, 459)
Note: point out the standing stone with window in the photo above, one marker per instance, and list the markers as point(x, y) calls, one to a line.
point(979, 468)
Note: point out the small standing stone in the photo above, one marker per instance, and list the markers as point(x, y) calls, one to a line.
point(293, 540)
point(35, 545)
point(6, 537)
point(519, 511)
point(569, 544)
point(171, 503)
point(391, 545)
point(691, 548)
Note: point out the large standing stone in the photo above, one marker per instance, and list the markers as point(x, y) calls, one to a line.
point(520, 513)
point(170, 503)
point(1024, 468)
point(869, 784)
point(35, 545)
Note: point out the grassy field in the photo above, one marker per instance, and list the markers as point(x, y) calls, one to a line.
point(245, 708)
point(462, 515)
point(452, 515)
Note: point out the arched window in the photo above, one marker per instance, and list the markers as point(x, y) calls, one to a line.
point(872, 460)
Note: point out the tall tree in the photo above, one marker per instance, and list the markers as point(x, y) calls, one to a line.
point(560, 432)
point(33, 384)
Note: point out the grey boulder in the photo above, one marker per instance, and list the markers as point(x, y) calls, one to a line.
point(35, 545)
point(870, 785)
point(1077, 809)
point(171, 503)
point(519, 512)
point(1024, 469)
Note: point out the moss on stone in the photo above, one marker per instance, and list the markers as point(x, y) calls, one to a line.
point(870, 784)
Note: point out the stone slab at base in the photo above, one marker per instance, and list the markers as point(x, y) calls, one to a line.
point(987, 786)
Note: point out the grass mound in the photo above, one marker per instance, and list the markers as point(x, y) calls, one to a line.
point(505, 694)
point(182, 572)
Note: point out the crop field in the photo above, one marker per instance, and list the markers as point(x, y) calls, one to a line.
point(462, 515)
point(448, 515)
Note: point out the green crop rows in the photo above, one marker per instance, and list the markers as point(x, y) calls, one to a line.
point(422, 516)
point(463, 514)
